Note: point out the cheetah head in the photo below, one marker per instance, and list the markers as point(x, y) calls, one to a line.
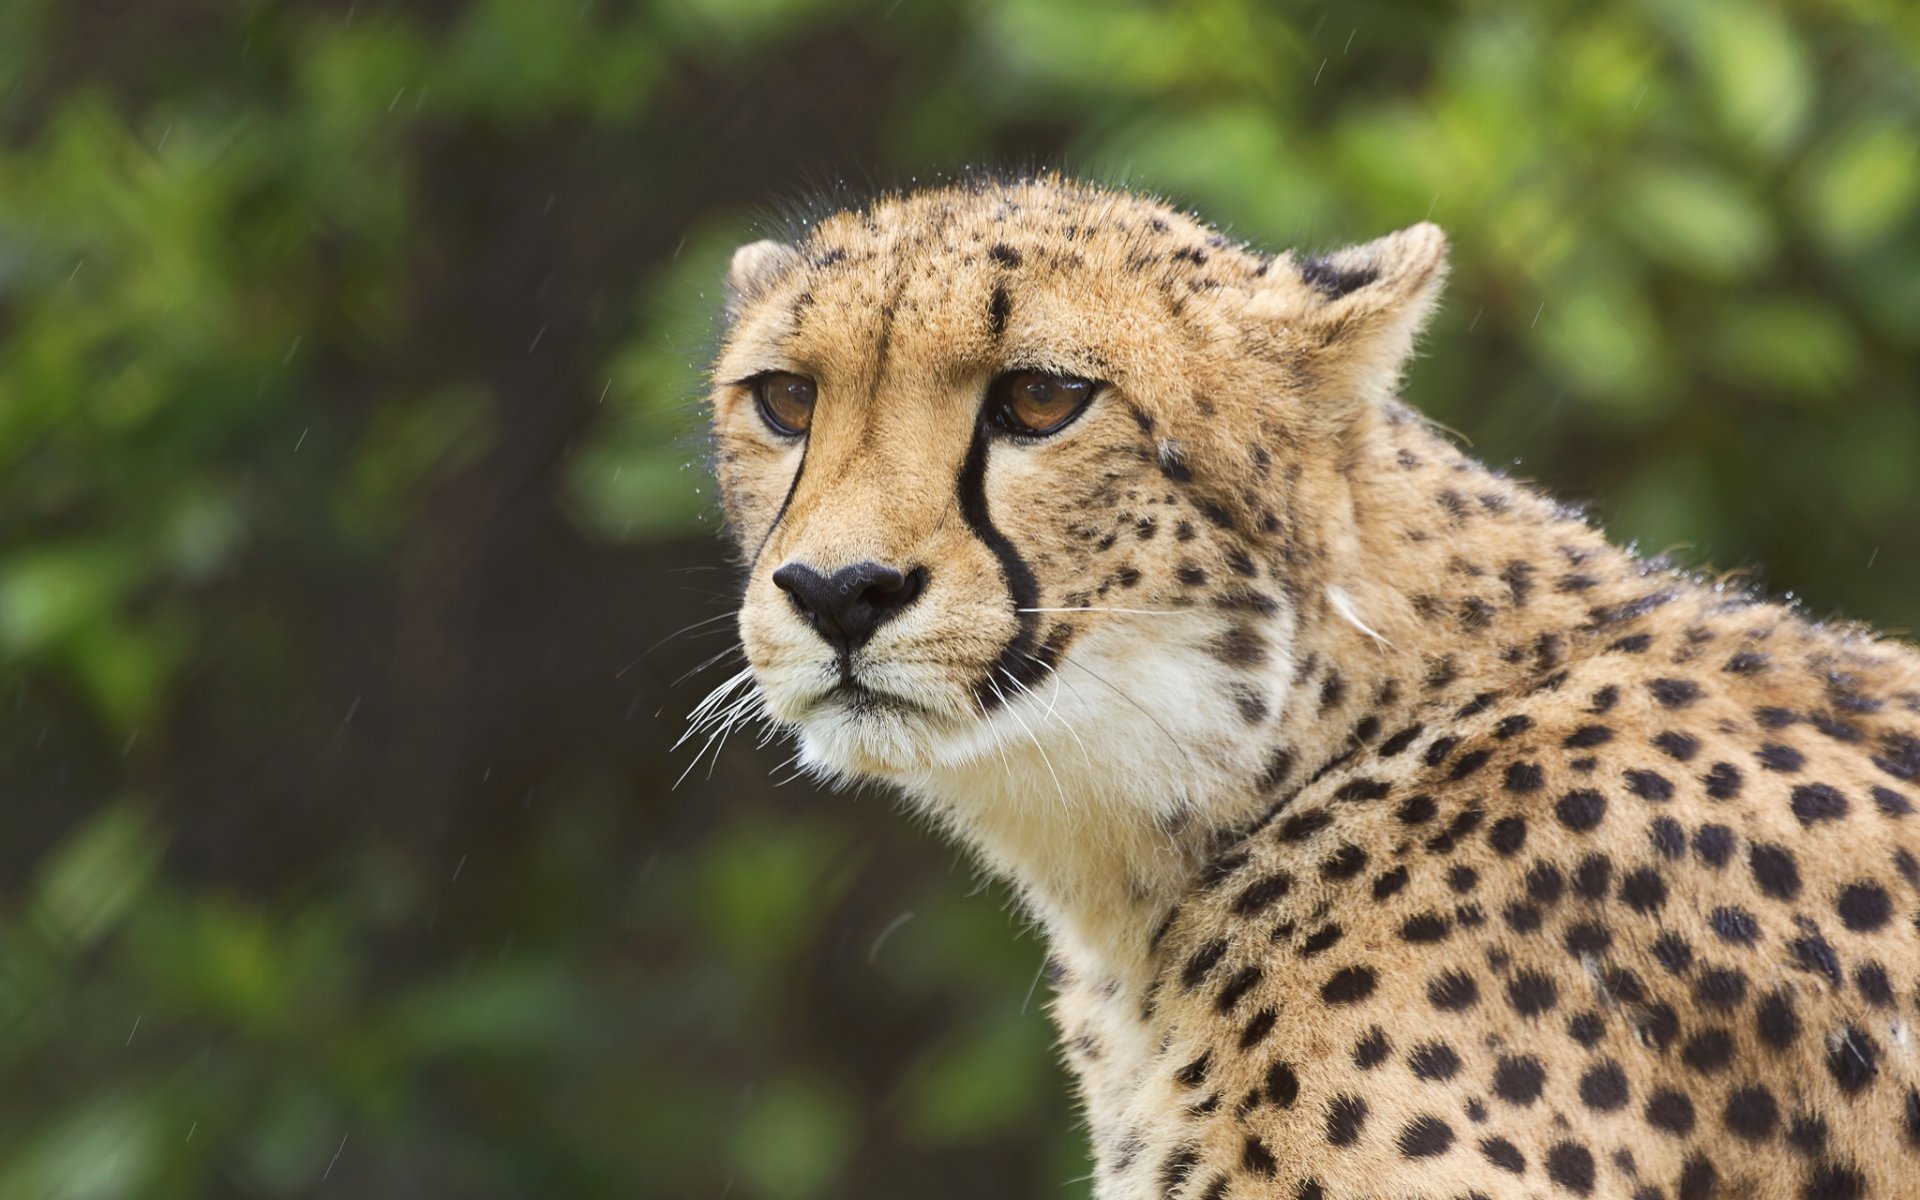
point(1009, 463)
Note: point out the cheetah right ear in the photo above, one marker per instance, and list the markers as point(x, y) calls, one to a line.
point(756, 266)
point(1357, 312)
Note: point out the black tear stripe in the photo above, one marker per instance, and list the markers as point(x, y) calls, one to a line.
point(1019, 663)
point(791, 489)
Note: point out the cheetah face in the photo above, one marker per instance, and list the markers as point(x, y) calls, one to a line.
point(1006, 464)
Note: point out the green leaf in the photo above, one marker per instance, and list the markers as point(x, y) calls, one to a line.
point(1862, 184)
point(91, 879)
point(794, 1140)
point(1696, 219)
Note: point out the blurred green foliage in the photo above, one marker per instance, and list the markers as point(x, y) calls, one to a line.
point(350, 480)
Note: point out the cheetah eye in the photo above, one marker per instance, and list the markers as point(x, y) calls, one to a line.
point(785, 401)
point(1034, 403)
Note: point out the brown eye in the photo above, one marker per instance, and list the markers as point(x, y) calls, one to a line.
point(785, 401)
point(1036, 403)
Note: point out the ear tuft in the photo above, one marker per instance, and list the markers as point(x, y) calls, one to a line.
point(756, 266)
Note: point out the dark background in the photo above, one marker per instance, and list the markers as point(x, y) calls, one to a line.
point(355, 532)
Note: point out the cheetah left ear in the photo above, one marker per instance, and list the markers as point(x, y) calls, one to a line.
point(1358, 311)
point(755, 267)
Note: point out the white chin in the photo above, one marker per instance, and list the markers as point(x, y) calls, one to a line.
point(882, 743)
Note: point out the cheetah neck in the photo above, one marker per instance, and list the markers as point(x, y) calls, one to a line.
point(1449, 586)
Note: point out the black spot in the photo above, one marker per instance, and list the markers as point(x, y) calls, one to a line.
point(1371, 1050)
point(1176, 1169)
point(1400, 741)
point(1581, 810)
point(1723, 781)
point(1425, 928)
point(1670, 1112)
point(1346, 1116)
point(1349, 985)
point(1279, 766)
point(1525, 777)
point(1671, 951)
point(1570, 1165)
point(1698, 1179)
point(1680, 747)
point(1283, 1086)
point(1659, 1024)
point(1389, 883)
point(1320, 940)
point(1004, 254)
point(1262, 892)
point(1425, 1137)
point(1586, 1028)
point(1301, 826)
point(1512, 727)
point(998, 310)
point(1604, 699)
point(1468, 763)
point(1674, 693)
point(1720, 989)
point(1776, 757)
point(1545, 884)
point(1713, 845)
point(1649, 785)
point(1258, 1028)
point(1453, 991)
point(1734, 924)
point(1462, 878)
point(1902, 757)
point(1708, 1051)
point(1864, 907)
point(1747, 662)
point(1257, 1158)
point(1434, 1061)
point(1346, 862)
point(1853, 1059)
point(1643, 890)
point(1204, 959)
point(1243, 981)
point(1835, 1181)
point(1416, 810)
point(1669, 840)
point(1507, 836)
point(1438, 749)
point(1775, 870)
point(1603, 1087)
point(1587, 937)
point(1633, 643)
point(1503, 1154)
point(1521, 918)
point(1813, 953)
point(1808, 1135)
point(1772, 717)
point(1588, 736)
point(1875, 986)
point(1752, 1113)
point(1194, 1073)
point(1816, 802)
point(1592, 876)
point(1519, 1079)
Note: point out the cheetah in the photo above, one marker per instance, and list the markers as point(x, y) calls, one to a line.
point(1394, 834)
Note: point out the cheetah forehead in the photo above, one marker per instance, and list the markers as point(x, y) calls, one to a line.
point(1048, 272)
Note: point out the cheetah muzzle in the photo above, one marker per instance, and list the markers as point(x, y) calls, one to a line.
point(1395, 835)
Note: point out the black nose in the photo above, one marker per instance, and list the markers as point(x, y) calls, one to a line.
point(848, 605)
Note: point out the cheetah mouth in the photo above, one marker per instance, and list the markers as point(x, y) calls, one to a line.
point(852, 698)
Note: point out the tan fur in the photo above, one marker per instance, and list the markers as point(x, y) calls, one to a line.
point(1314, 711)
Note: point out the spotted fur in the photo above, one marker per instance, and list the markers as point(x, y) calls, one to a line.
point(1395, 834)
